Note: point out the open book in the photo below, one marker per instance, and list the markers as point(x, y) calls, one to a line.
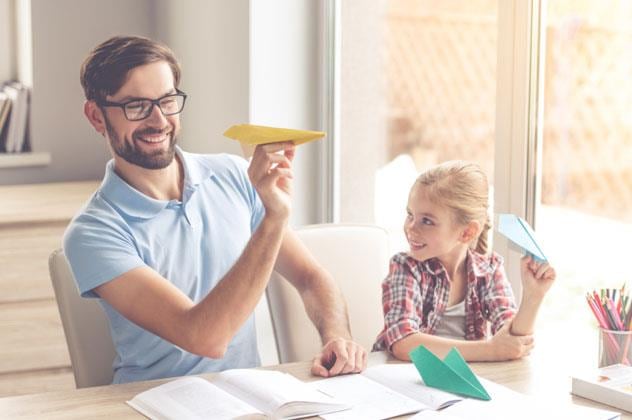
point(403, 392)
point(384, 391)
point(236, 393)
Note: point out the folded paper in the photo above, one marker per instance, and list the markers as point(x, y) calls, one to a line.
point(259, 134)
point(518, 231)
point(451, 374)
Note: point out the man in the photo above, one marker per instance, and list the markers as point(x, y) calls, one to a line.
point(179, 247)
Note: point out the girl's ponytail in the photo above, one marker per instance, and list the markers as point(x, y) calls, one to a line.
point(482, 242)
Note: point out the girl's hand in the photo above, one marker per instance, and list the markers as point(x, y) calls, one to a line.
point(505, 346)
point(537, 278)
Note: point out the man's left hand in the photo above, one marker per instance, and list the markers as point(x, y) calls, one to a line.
point(339, 356)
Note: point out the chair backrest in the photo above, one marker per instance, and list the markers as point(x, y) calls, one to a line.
point(85, 325)
point(357, 256)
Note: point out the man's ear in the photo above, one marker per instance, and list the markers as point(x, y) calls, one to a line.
point(471, 231)
point(94, 114)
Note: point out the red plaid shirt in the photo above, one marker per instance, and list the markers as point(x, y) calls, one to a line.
point(415, 296)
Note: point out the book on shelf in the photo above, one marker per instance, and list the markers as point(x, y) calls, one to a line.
point(5, 111)
point(235, 393)
point(610, 385)
point(14, 127)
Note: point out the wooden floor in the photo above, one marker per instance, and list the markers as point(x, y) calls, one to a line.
point(33, 352)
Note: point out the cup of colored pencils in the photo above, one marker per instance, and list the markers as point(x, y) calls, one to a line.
point(612, 309)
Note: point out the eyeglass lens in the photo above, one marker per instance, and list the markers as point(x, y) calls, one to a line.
point(169, 105)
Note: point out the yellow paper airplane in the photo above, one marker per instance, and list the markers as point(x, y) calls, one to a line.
point(259, 134)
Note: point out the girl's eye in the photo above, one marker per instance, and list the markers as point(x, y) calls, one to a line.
point(426, 221)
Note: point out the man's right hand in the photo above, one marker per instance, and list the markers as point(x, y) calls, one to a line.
point(271, 174)
point(506, 346)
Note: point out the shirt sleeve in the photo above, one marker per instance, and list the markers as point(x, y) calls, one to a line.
point(98, 250)
point(400, 297)
point(498, 300)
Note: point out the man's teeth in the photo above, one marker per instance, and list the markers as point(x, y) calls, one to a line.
point(153, 139)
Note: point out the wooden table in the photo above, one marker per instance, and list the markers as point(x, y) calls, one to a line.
point(108, 402)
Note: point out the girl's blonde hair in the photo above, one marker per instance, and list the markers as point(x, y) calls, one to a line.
point(462, 187)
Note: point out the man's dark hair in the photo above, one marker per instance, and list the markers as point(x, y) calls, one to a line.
point(105, 69)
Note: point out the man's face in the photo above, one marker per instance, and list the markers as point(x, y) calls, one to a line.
point(148, 143)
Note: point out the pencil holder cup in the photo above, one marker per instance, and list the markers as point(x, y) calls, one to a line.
point(615, 347)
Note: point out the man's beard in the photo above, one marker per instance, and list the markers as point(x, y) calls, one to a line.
point(127, 150)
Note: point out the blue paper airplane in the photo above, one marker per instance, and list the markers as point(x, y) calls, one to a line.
point(518, 231)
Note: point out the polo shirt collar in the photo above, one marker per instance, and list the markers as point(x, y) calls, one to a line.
point(134, 203)
point(196, 171)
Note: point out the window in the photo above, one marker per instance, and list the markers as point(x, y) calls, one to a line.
point(537, 92)
point(585, 211)
point(418, 88)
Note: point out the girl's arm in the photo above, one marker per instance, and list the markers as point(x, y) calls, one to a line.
point(502, 346)
point(536, 281)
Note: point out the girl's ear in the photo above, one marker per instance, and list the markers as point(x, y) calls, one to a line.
point(471, 231)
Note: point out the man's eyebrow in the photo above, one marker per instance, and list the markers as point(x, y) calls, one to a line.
point(136, 98)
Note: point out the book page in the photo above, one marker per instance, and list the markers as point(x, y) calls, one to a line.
point(369, 400)
point(275, 393)
point(404, 378)
point(506, 403)
point(191, 398)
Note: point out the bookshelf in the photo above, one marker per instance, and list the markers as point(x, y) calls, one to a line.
point(19, 160)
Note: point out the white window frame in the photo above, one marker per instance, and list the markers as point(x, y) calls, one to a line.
point(518, 120)
point(330, 150)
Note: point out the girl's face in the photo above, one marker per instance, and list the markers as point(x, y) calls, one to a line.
point(430, 229)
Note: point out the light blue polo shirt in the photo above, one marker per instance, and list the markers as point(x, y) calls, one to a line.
point(192, 243)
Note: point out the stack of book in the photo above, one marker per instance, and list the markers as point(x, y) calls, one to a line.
point(14, 118)
point(610, 385)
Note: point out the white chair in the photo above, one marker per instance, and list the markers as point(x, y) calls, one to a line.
point(85, 325)
point(357, 256)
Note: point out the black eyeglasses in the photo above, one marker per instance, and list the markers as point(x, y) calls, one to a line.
point(139, 109)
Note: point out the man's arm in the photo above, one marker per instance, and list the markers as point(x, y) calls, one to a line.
point(324, 305)
point(149, 300)
point(152, 302)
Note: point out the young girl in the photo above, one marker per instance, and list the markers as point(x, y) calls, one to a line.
point(447, 288)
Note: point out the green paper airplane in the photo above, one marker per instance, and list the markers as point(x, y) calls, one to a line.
point(451, 374)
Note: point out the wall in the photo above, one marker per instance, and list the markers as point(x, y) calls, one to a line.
point(210, 38)
point(7, 57)
point(63, 33)
point(285, 86)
